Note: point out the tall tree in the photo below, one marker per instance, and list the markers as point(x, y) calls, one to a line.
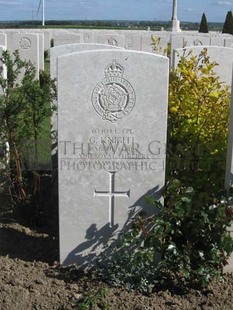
point(228, 25)
point(203, 26)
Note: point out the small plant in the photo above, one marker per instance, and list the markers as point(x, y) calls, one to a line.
point(156, 45)
point(93, 299)
point(187, 242)
point(46, 55)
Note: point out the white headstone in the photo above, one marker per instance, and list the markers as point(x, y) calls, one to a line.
point(160, 47)
point(228, 42)
point(177, 41)
point(41, 51)
point(3, 39)
point(47, 39)
point(133, 42)
point(66, 38)
point(28, 46)
point(112, 39)
point(87, 37)
point(196, 40)
point(181, 41)
point(112, 135)
point(41, 47)
point(217, 41)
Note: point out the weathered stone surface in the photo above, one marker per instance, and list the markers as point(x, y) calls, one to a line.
point(66, 38)
point(112, 133)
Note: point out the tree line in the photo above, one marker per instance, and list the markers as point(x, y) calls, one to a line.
point(227, 27)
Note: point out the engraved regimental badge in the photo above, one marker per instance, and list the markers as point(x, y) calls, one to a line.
point(25, 43)
point(114, 97)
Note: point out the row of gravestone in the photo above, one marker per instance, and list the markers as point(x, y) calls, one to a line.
point(112, 123)
point(31, 42)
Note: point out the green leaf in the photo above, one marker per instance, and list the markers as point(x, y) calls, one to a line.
point(189, 190)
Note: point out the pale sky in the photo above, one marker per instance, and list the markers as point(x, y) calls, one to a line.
point(188, 10)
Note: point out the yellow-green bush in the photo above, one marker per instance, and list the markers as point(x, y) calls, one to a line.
point(199, 105)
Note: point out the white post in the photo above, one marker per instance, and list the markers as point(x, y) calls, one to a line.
point(43, 15)
point(175, 22)
point(174, 11)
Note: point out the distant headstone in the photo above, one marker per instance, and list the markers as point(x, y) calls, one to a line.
point(41, 34)
point(66, 38)
point(196, 40)
point(228, 42)
point(10, 33)
point(133, 42)
point(41, 51)
point(3, 39)
point(112, 39)
point(112, 134)
point(28, 46)
point(62, 50)
point(87, 37)
point(159, 47)
point(180, 41)
point(217, 41)
point(47, 40)
point(144, 43)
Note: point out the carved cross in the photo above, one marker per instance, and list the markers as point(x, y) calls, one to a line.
point(111, 193)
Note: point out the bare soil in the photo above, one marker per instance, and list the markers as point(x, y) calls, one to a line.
point(31, 278)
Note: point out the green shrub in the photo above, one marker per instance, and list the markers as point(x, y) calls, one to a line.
point(25, 107)
point(187, 241)
point(199, 105)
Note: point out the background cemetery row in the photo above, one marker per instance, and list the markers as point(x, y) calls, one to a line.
point(32, 43)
